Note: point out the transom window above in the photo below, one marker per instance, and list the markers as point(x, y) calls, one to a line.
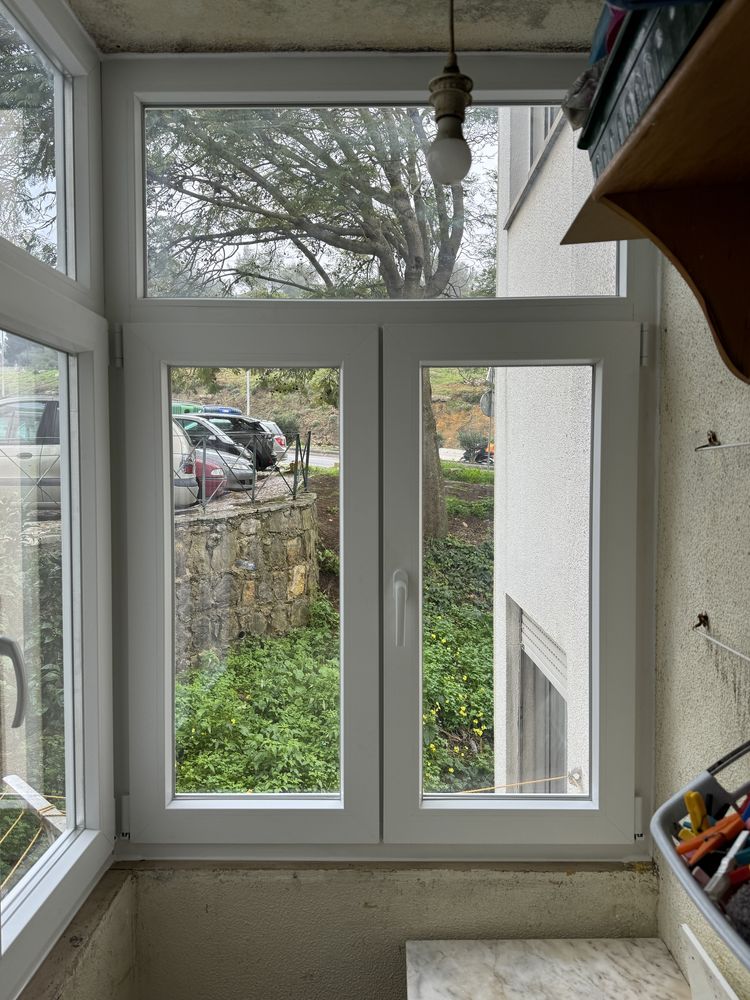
point(337, 203)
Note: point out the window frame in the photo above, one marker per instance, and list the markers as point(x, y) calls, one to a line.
point(37, 909)
point(55, 32)
point(606, 816)
point(156, 815)
point(129, 84)
point(64, 312)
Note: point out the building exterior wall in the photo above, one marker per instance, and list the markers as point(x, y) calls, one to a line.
point(543, 419)
point(542, 511)
point(530, 259)
point(703, 564)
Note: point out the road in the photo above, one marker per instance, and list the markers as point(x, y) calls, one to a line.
point(327, 459)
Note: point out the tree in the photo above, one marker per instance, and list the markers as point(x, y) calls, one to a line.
point(317, 202)
point(28, 195)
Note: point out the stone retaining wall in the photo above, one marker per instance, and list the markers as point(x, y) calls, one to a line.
point(242, 569)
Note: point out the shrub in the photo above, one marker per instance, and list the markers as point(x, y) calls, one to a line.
point(266, 719)
point(328, 561)
point(470, 508)
point(289, 425)
point(459, 473)
point(471, 440)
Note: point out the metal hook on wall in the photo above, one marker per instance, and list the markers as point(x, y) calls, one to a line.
point(703, 628)
point(713, 443)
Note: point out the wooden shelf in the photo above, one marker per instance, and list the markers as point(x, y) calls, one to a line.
point(682, 179)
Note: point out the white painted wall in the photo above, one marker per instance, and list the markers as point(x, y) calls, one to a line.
point(530, 259)
point(543, 419)
point(703, 564)
point(542, 505)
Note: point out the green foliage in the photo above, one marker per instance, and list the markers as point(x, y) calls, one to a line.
point(319, 385)
point(470, 508)
point(266, 719)
point(328, 561)
point(459, 473)
point(471, 439)
point(289, 425)
point(327, 202)
point(457, 698)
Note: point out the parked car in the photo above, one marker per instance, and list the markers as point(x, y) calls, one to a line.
point(179, 407)
point(30, 451)
point(280, 446)
point(185, 487)
point(212, 480)
point(210, 408)
point(239, 471)
point(245, 435)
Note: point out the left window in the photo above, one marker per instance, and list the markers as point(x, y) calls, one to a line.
point(35, 104)
point(37, 717)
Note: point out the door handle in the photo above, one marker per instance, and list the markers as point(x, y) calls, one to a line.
point(25, 454)
point(400, 595)
point(11, 649)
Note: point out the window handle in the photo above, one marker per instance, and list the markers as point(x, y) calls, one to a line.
point(11, 649)
point(400, 595)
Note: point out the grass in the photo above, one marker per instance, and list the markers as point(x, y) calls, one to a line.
point(460, 473)
point(470, 508)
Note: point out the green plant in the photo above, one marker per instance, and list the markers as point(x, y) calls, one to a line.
point(328, 561)
point(266, 718)
point(457, 642)
point(471, 439)
point(457, 507)
point(289, 425)
point(460, 473)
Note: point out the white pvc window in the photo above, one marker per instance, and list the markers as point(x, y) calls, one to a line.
point(35, 158)
point(172, 319)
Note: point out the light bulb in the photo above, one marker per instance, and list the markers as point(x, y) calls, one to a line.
point(449, 157)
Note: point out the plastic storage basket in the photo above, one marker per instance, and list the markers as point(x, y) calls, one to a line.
point(662, 826)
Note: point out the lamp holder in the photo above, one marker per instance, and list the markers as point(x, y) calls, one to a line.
point(450, 93)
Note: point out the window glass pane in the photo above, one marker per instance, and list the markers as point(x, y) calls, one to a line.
point(35, 630)
point(506, 500)
point(31, 178)
point(256, 575)
point(338, 203)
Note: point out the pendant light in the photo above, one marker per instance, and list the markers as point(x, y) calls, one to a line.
point(449, 156)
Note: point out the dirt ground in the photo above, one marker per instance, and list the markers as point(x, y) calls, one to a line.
point(467, 528)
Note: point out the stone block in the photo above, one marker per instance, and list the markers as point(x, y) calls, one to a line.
point(297, 581)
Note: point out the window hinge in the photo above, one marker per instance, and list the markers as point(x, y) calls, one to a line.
point(115, 346)
point(645, 345)
point(638, 819)
point(123, 824)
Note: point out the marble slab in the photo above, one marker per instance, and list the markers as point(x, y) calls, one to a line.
point(570, 969)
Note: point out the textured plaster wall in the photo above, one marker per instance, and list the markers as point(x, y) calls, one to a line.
point(325, 934)
point(530, 259)
point(703, 564)
point(389, 25)
point(95, 957)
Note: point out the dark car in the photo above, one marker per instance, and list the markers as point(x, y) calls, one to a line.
point(246, 431)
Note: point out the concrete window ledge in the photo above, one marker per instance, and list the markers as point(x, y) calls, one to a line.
point(244, 930)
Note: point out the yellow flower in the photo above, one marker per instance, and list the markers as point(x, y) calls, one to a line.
point(433, 636)
point(466, 677)
point(432, 747)
point(450, 770)
point(462, 710)
point(234, 722)
point(443, 640)
point(455, 749)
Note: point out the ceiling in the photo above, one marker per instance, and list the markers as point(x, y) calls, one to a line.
point(336, 25)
